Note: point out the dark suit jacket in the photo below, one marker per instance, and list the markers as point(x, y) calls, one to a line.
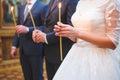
point(51, 50)
point(24, 41)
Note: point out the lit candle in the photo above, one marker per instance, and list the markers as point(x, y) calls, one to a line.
point(59, 14)
point(13, 16)
point(59, 6)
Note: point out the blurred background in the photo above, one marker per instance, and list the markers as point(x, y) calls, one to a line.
point(10, 68)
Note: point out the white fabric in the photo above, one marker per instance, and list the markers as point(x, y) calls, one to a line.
point(32, 2)
point(117, 2)
point(86, 61)
point(26, 12)
point(28, 7)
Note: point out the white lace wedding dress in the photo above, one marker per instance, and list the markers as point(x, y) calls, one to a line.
point(86, 61)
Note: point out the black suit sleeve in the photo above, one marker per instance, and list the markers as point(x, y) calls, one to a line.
point(16, 41)
point(71, 9)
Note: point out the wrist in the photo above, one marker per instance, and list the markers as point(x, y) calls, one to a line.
point(27, 29)
point(79, 34)
point(13, 47)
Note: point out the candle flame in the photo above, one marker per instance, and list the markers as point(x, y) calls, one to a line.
point(59, 5)
point(12, 8)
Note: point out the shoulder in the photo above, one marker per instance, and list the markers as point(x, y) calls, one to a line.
point(41, 6)
point(41, 3)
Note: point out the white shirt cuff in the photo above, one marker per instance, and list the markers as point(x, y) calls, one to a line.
point(27, 29)
point(13, 47)
point(46, 40)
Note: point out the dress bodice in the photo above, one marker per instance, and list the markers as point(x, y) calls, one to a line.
point(92, 16)
point(90, 19)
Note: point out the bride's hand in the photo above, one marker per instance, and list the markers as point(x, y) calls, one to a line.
point(65, 31)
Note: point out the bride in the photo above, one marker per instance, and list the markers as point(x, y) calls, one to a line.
point(96, 33)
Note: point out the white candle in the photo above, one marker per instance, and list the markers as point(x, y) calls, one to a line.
point(59, 16)
point(32, 20)
point(59, 13)
point(13, 15)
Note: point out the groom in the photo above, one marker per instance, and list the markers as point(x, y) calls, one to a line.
point(51, 42)
point(31, 56)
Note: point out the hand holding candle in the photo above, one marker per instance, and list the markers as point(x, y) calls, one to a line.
point(59, 14)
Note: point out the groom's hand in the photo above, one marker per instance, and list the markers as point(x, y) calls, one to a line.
point(38, 36)
point(21, 29)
